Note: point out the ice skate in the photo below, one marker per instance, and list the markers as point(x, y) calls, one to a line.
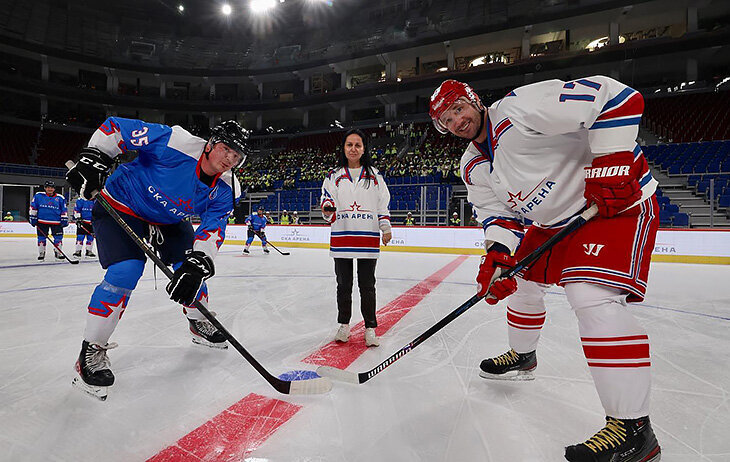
point(90, 254)
point(77, 254)
point(93, 368)
point(58, 254)
point(343, 333)
point(246, 252)
point(621, 440)
point(370, 338)
point(42, 256)
point(509, 366)
point(205, 333)
point(266, 250)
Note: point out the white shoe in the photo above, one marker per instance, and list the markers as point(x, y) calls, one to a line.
point(370, 338)
point(343, 333)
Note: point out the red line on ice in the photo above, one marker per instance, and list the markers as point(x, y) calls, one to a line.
point(243, 427)
point(233, 433)
point(341, 355)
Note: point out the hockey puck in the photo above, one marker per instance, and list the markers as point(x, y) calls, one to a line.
point(299, 375)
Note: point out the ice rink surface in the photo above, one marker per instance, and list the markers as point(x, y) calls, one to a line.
point(430, 405)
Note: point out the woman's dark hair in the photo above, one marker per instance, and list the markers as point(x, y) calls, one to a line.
point(366, 161)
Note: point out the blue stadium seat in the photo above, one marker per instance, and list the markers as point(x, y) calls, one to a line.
point(665, 218)
point(672, 208)
point(680, 219)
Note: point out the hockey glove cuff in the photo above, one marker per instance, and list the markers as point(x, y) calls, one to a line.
point(188, 279)
point(612, 183)
point(64, 222)
point(88, 175)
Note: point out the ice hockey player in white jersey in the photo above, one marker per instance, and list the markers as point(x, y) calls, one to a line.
point(544, 153)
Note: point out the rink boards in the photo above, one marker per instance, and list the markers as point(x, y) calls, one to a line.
point(672, 245)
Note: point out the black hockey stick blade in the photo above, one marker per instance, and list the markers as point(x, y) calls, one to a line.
point(362, 377)
point(312, 386)
point(73, 262)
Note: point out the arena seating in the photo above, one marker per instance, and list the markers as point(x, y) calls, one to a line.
point(689, 117)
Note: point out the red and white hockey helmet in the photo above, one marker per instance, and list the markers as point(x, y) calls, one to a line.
point(445, 95)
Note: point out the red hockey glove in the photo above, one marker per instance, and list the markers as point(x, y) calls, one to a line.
point(495, 290)
point(612, 183)
point(328, 211)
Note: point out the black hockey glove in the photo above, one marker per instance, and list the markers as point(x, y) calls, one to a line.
point(88, 175)
point(188, 279)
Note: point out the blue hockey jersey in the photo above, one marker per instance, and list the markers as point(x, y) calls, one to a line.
point(258, 223)
point(82, 210)
point(162, 185)
point(48, 208)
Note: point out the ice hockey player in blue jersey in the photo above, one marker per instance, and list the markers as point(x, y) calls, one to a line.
point(176, 175)
point(48, 210)
point(84, 227)
point(256, 223)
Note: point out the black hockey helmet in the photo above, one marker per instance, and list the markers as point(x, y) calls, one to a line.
point(232, 135)
point(49, 184)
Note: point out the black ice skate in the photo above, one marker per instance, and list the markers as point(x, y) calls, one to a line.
point(205, 333)
point(621, 440)
point(266, 250)
point(509, 366)
point(93, 367)
point(91, 254)
point(42, 256)
point(77, 254)
point(59, 256)
point(246, 251)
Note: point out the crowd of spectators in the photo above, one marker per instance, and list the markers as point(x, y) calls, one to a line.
point(419, 154)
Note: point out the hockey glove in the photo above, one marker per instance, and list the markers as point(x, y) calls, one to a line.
point(188, 278)
point(328, 211)
point(488, 284)
point(88, 175)
point(64, 222)
point(612, 183)
point(250, 228)
point(33, 220)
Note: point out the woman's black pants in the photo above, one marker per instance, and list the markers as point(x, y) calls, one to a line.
point(366, 284)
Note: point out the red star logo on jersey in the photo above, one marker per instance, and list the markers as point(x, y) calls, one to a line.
point(518, 196)
point(514, 197)
point(355, 207)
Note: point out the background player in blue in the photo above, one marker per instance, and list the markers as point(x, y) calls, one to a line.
point(84, 227)
point(256, 223)
point(175, 176)
point(48, 210)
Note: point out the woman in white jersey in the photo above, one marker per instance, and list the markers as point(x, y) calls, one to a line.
point(355, 201)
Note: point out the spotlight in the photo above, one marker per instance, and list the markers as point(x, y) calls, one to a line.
point(181, 8)
point(226, 9)
point(262, 6)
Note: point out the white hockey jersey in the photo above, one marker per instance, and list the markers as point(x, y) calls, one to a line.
point(540, 138)
point(362, 212)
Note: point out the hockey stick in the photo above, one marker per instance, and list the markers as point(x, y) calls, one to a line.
point(294, 387)
point(362, 377)
point(82, 225)
point(272, 245)
point(73, 262)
